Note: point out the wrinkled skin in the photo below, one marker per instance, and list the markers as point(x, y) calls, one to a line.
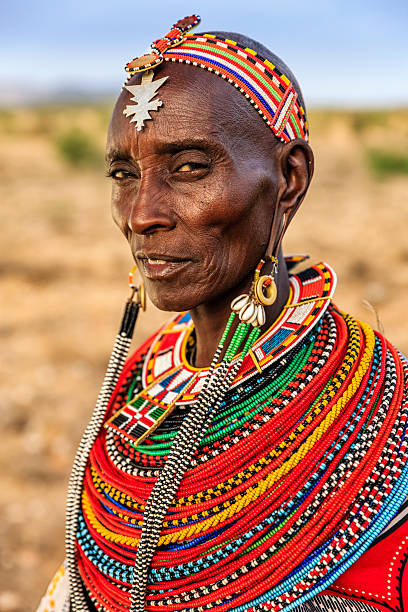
point(206, 185)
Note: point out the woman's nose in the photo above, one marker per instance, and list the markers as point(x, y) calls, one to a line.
point(150, 210)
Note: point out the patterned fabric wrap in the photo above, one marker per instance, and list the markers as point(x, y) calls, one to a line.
point(263, 84)
point(56, 599)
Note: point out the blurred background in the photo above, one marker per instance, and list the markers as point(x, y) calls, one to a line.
point(63, 263)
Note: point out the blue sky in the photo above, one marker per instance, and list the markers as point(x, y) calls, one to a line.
point(343, 52)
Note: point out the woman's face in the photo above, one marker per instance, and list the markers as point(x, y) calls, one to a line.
point(194, 191)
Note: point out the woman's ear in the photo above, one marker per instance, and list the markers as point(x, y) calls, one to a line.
point(297, 165)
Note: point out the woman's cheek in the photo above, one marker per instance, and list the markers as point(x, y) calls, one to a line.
point(120, 214)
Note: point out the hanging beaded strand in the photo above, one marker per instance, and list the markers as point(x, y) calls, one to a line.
point(116, 362)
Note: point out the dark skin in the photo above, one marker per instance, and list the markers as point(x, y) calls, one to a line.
point(201, 193)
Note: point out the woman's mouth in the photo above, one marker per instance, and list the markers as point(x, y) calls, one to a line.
point(156, 267)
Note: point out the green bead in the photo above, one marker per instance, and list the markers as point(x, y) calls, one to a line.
point(234, 416)
point(227, 328)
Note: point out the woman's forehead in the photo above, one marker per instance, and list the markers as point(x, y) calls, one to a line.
point(194, 104)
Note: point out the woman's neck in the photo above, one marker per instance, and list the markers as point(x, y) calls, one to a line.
point(210, 319)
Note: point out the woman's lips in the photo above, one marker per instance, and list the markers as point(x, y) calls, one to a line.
point(156, 268)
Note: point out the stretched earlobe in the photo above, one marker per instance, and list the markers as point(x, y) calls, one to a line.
point(297, 168)
point(297, 164)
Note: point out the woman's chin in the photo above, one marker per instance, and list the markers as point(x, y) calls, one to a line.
point(171, 302)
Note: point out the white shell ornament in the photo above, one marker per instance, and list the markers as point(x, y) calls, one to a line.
point(261, 316)
point(239, 302)
point(247, 312)
point(254, 319)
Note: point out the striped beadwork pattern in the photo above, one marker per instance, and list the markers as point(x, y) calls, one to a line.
point(303, 464)
point(309, 294)
point(259, 80)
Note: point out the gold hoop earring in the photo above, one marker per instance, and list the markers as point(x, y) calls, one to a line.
point(268, 297)
point(265, 288)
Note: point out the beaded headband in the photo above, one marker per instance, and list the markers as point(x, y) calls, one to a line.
point(261, 82)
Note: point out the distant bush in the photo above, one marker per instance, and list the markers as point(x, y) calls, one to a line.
point(384, 163)
point(365, 120)
point(77, 149)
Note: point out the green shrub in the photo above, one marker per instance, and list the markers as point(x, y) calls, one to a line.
point(385, 164)
point(365, 120)
point(77, 149)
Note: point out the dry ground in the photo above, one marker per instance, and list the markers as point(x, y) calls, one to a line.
point(64, 270)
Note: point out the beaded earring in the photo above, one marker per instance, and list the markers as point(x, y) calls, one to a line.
point(138, 290)
point(250, 306)
point(136, 300)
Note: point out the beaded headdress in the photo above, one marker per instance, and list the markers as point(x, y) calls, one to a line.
point(270, 92)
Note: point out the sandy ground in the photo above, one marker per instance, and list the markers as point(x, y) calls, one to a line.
point(64, 272)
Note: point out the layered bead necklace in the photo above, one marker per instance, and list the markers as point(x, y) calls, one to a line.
point(267, 480)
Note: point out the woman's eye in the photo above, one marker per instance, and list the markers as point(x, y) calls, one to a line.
point(190, 167)
point(119, 174)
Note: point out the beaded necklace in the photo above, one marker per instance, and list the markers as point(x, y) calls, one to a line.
point(296, 470)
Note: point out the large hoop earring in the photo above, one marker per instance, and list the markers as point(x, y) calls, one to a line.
point(268, 297)
point(265, 288)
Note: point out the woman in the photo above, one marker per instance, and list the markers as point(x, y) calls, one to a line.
point(252, 454)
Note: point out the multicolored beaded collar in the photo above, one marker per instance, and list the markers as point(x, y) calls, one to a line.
point(169, 380)
point(294, 475)
point(261, 82)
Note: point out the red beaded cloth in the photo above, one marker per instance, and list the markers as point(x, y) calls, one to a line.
point(378, 580)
